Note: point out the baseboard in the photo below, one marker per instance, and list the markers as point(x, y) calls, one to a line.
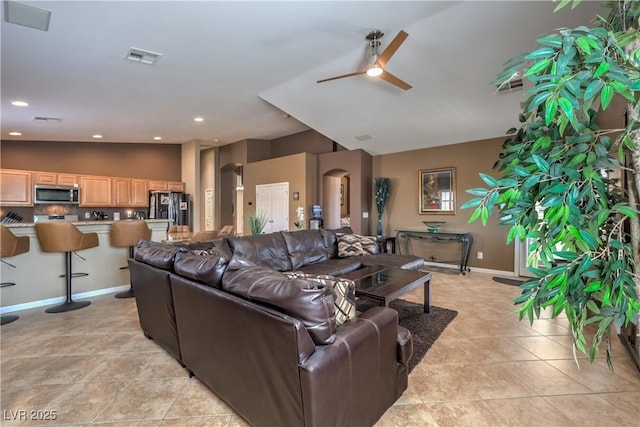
point(58, 300)
point(472, 269)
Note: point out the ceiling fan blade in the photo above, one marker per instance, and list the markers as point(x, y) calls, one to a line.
point(391, 49)
point(387, 76)
point(357, 73)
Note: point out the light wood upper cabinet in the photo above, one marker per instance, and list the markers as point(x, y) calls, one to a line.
point(15, 188)
point(139, 192)
point(44, 178)
point(121, 188)
point(66, 179)
point(175, 186)
point(53, 178)
point(157, 185)
point(95, 191)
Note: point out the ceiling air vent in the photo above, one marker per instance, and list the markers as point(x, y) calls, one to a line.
point(142, 56)
point(40, 119)
point(364, 137)
point(512, 86)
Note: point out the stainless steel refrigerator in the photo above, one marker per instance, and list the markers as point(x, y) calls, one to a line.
point(176, 207)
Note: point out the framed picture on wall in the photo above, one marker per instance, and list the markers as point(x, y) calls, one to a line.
point(437, 191)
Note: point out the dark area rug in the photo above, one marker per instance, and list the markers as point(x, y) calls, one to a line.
point(507, 281)
point(425, 328)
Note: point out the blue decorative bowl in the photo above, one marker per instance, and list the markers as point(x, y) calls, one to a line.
point(433, 226)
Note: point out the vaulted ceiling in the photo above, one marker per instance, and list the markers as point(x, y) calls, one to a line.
point(249, 69)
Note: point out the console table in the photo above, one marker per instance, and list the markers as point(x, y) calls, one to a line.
point(464, 239)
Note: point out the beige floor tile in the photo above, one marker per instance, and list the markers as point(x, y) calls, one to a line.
point(195, 400)
point(143, 399)
point(595, 410)
point(145, 423)
point(17, 403)
point(218, 421)
point(544, 379)
point(544, 347)
point(463, 414)
point(437, 383)
point(597, 377)
point(18, 372)
point(529, 412)
point(407, 415)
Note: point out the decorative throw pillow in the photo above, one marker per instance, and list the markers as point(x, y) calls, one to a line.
point(344, 292)
point(349, 245)
point(369, 244)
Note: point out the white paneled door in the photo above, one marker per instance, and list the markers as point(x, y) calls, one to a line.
point(273, 201)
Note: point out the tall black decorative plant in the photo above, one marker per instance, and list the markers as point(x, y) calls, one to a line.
point(383, 190)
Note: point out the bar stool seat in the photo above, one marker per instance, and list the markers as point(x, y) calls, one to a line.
point(11, 245)
point(66, 238)
point(127, 234)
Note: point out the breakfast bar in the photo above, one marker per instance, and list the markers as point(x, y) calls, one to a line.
point(38, 274)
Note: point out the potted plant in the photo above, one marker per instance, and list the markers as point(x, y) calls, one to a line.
point(559, 159)
point(383, 190)
point(257, 221)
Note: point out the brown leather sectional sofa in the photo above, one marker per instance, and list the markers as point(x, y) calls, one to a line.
point(267, 344)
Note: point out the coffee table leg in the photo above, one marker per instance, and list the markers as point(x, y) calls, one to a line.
point(427, 296)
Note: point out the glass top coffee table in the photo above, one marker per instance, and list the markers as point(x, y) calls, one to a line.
point(384, 284)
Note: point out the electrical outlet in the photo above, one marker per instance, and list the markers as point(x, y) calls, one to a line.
point(480, 255)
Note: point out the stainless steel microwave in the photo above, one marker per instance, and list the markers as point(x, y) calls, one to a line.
point(55, 194)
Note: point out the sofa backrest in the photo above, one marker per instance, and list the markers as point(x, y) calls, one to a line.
point(160, 255)
point(305, 247)
point(331, 241)
point(269, 250)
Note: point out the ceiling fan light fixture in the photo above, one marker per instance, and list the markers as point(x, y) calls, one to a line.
point(374, 71)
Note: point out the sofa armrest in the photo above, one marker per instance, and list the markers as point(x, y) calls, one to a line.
point(356, 379)
point(405, 345)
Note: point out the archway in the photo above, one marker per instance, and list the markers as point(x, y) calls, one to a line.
point(231, 196)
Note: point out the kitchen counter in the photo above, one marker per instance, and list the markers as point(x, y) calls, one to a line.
point(37, 273)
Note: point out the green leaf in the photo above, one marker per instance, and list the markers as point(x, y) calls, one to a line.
point(606, 96)
point(478, 191)
point(553, 41)
point(602, 68)
point(542, 164)
point(588, 238)
point(593, 88)
point(536, 68)
point(474, 216)
point(635, 85)
point(471, 203)
point(488, 179)
point(544, 52)
point(566, 107)
point(550, 111)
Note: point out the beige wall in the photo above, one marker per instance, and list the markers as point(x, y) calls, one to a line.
point(147, 161)
point(401, 211)
point(299, 170)
point(308, 141)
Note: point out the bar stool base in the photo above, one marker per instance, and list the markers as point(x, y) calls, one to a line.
point(8, 318)
point(67, 306)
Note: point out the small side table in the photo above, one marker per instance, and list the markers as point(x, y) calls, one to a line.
point(385, 243)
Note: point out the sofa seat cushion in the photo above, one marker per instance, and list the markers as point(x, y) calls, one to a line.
point(305, 247)
point(159, 255)
point(408, 262)
point(310, 302)
point(268, 250)
point(333, 266)
point(344, 293)
point(202, 265)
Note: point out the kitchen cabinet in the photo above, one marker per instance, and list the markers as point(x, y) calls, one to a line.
point(15, 188)
point(53, 178)
point(175, 186)
point(95, 191)
point(157, 185)
point(44, 178)
point(121, 188)
point(139, 192)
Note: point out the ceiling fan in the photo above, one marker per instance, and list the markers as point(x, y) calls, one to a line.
point(377, 62)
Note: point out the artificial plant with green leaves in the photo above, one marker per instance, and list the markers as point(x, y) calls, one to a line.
point(257, 221)
point(552, 181)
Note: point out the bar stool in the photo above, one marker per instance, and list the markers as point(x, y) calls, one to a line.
point(11, 245)
point(227, 230)
point(127, 234)
point(65, 237)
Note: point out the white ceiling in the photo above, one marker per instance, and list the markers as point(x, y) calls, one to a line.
point(245, 66)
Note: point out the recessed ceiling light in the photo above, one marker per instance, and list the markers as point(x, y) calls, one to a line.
point(15, 133)
point(19, 103)
point(97, 136)
point(157, 138)
point(198, 119)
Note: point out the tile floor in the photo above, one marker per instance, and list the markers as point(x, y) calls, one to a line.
point(94, 367)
